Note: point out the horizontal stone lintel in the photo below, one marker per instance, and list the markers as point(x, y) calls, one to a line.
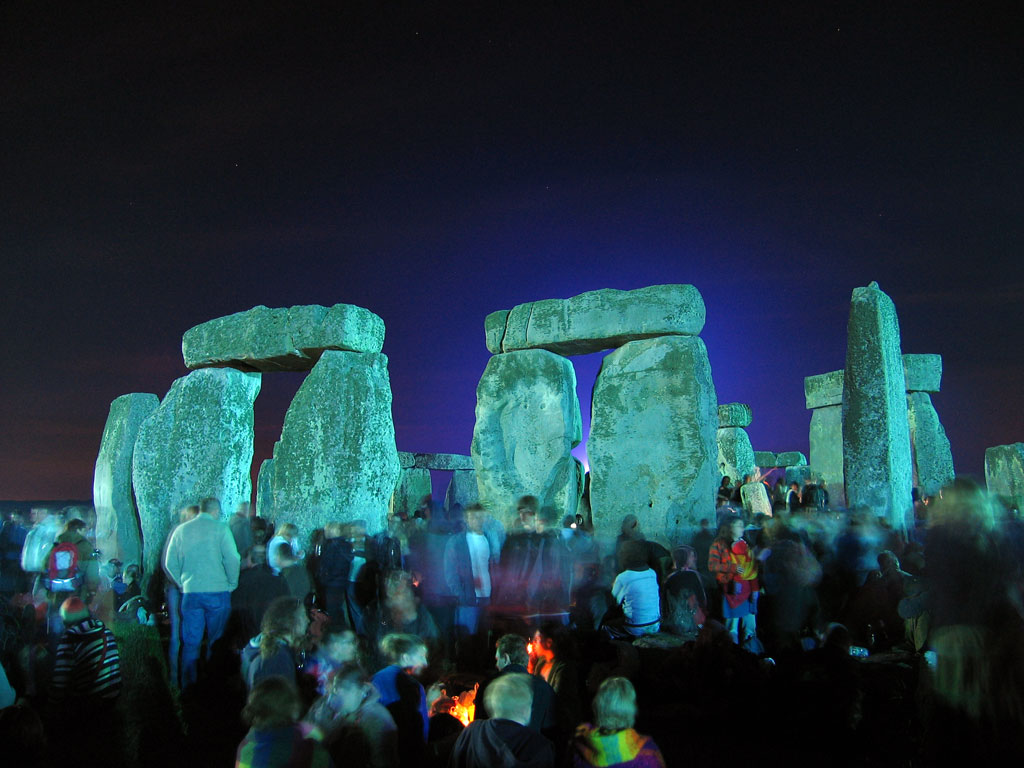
point(923, 374)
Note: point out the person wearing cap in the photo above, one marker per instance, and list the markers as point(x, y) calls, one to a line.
point(87, 665)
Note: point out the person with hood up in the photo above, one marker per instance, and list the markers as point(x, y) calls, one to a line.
point(504, 741)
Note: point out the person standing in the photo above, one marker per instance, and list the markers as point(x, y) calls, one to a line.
point(468, 559)
point(202, 560)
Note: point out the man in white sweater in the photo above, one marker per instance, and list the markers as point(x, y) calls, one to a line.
point(203, 561)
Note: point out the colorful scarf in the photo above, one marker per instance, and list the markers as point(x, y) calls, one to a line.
point(619, 748)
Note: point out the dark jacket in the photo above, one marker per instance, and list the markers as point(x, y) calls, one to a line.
point(542, 711)
point(501, 744)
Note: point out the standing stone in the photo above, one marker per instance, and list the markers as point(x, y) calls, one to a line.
point(933, 459)
point(596, 320)
point(462, 490)
point(117, 519)
point(1004, 472)
point(413, 485)
point(876, 432)
point(735, 454)
point(264, 498)
point(652, 445)
point(336, 459)
point(824, 396)
point(197, 443)
point(527, 422)
point(755, 499)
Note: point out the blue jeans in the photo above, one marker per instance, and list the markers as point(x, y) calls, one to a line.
point(201, 611)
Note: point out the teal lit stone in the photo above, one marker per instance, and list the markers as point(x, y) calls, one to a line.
point(764, 459)
point(462, 490)
point(443, 462)
point(734, 415)
point(735, 454)
point(790, 459)
point(413, 485)
point(1004, 472)
point(933, 459)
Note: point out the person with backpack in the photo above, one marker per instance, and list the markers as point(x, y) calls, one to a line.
point(71, 570)
point(39, 542)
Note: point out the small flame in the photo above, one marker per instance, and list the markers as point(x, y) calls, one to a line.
point(464, 714)
point(529, 649)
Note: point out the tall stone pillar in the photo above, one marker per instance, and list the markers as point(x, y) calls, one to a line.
point(735, 453)
point(337, 459)
point(876, 432)
point(933, 460)
point(824, 397)
point(527, 422)
point(652, 445)
point(118, 533)
point(1004, 472)
point(197, 443)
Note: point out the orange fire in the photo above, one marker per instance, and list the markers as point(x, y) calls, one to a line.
point(464, 714)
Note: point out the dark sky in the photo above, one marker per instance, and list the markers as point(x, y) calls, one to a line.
point(435, 163)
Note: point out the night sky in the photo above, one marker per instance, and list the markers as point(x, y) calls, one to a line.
point(438, 162)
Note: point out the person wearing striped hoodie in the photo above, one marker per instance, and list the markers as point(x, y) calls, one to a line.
point(87, 667)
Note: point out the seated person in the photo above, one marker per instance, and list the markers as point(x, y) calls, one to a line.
point(636, 590)
point(684, 604)
point(612, 740)
point(275, 737)
point(504, 740)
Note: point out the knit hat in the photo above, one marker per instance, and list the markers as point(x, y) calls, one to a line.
point(73, 610)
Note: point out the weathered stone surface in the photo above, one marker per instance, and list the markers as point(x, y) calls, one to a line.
point(876, 433)
point(264, 498)
point(933, 459)
point(406, 460)
point(826, 436)
point(764, 459)
point(494, 329)
point(735, 454)
point(336, 459)
point(734, 415)
point(413, 485)
point(597, 320)
point(652, 445)
point(462, 490)
point(117, 520)
point(824, 390)
point(197, 443)
point(286, 339)
point(923, 372)
point(790, 459)
point(1004, 472)
point(444, 462)
point(527, 421)
point(800, 474)
point(755, 499)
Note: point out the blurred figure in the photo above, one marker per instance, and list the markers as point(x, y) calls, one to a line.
point(468, 561)
point(400, 612)
point(335, 650)
point(257, 588)
point(403, 695)
point(241, 529)
point(333, 572)
point(275, 738)
point(277, 650)
point(553, 658)
point(684, 604)
point(730, 560)
point(503, 740)
point(278, 557)
point(12, 541)
point(611, 740)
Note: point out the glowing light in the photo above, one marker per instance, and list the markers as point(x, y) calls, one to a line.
point(464, 714)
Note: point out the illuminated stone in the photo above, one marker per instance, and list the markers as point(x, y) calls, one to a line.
point(443, 462)
point(824, 389)
point(734, 415)
point(527, 422)
point(462, 490)
point(413, 485)
point(197, 443)
point(735, 454)
point(652, 446)
point(826, 438)
point(597, 320)
point(876, 433)
point(336, 459)
point(1004, 472)
point(118, 534)
point(286, 339)
point(933, 459)
point(923, 372)
point(406, 460)
point(764, 459)
point(790, 459)
point(263, 494)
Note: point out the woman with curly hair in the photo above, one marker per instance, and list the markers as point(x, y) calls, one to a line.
point(277, 650)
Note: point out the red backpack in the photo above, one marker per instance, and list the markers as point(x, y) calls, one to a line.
point(62, 568)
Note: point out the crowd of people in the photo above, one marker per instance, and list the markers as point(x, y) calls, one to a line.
point(448, 640)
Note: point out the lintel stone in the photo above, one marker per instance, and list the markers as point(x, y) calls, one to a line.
point(444, 462)
point(734, 415)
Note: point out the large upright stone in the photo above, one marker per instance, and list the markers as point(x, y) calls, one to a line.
point(462, 490)
point(876, 434)
point(933, 460)
point(413, 485)
point(755, 499)
point(287, 339)
point(527, 422)
point(1004, 472)
point(735, 454)
point(336, 459)
point(264, 500)
point(117, 519)
point(652, 446)
point(197, 443)
point(826, 438)
point(597, 320)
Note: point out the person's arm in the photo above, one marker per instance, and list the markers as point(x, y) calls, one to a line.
point(719, 562)
point(173, 559)
point(230, 558)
